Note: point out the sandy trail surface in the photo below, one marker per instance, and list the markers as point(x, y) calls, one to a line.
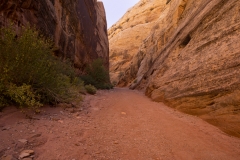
point(112, 125)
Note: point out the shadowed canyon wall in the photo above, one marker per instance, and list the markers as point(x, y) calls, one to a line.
point(189, 58)
point(78, 27)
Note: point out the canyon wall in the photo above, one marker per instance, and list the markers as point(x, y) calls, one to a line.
point(126, 36)
point(190, 60)
point(78, 27)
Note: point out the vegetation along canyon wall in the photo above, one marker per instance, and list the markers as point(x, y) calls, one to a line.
point(78, 27)
point(184, 53)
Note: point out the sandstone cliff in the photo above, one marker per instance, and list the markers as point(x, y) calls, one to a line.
point(191, 60)
point(78, 27)
point(126, 36)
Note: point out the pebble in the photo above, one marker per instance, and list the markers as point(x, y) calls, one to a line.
point(5, 128)
point(26, 153)
point(36, 135)
point(23, 141)
point(60, 121)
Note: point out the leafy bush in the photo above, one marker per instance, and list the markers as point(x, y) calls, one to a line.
point(30, 74)
point(97, 75)
point(23, 95)
point(90, 89)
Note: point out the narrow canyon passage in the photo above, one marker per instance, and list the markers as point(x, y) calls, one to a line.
point(128, 125)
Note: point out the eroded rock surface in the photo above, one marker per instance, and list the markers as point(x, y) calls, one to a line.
point(126, 36)
point(191, 60)
point(78, 27)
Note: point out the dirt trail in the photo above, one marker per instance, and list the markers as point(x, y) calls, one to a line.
point(116, 124)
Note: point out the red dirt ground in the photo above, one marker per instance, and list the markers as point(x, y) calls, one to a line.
point(119, 124)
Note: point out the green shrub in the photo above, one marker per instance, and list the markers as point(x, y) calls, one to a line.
point(23, 95)
point(89, 80)
point(97, 71)
point(3, 101)
point(30, 74)
point(90, 89)
point(97, 75)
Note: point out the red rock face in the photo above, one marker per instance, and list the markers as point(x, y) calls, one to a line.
point(78, 27)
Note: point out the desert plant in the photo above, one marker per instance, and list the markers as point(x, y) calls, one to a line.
point(30, 74)
point(90, 89)
point(97, 75)
point(23, 95)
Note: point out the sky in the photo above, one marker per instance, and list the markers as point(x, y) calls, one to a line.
point(115, 9)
